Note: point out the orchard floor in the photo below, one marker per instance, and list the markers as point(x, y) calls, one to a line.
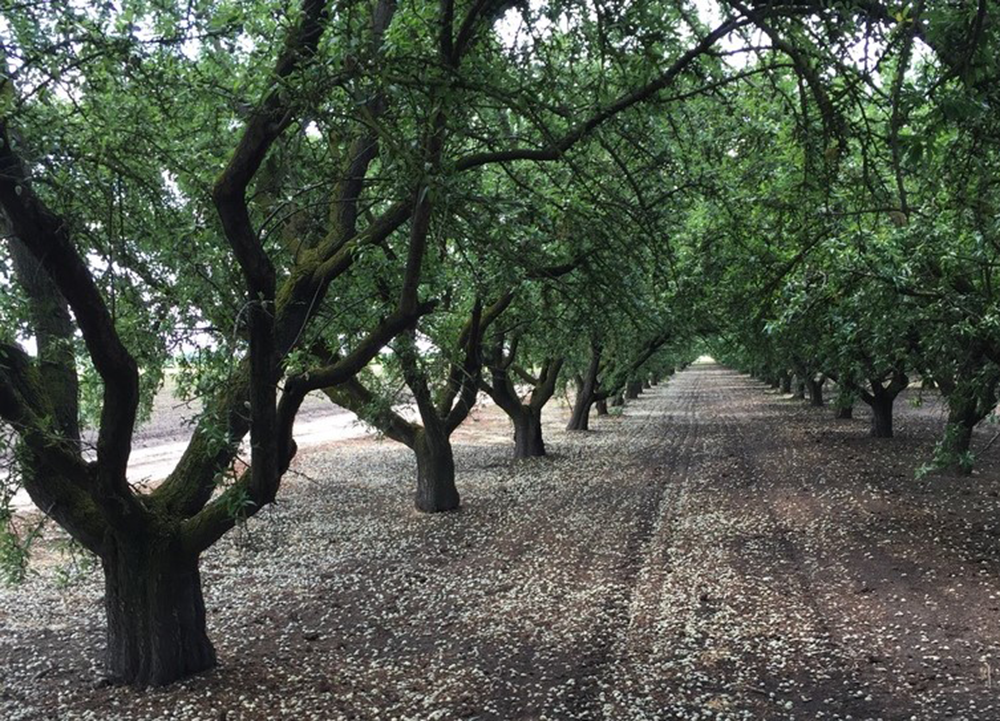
point(719, 551)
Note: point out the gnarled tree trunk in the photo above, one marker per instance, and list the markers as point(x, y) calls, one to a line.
point(526, 417)
point(881, 400)
point(155, 612)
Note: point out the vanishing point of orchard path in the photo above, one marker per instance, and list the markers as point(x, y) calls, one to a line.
point(720, 551)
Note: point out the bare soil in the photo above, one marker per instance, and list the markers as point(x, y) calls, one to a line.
point(171, 419)
point(718, 552)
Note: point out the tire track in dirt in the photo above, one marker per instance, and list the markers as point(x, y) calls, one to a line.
point(670, 461)
point(533, 579)
point(663, 441)
point(722, 622)
point(622, 504)
point(890, 570)
point(801, 668)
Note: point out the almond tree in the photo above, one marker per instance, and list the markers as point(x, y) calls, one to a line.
point(149, 541)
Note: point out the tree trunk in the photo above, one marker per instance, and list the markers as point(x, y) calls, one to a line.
point(617, 400)
point(586, 389)
point(646, 385)
point(155, 613)
point(580, 419)
point(633, 389)
point(953, 450)
point(800, 388)
point(785, 382)
point(601, 407)
point(815, 392)
point(961, 436)
point(882, 415)
point(435, 472)
point(528, 441)
point(845, 412)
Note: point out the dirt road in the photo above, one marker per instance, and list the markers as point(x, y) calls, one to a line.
point(719, 552)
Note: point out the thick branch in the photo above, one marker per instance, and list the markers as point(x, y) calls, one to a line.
point(354, 396)
point(53, 329)
point(46, 236)
point(546, 387)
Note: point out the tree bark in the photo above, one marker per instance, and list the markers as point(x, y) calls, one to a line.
point(53, 327)
point(633, 389)
point(786, 383)
point(881, 406)
point(815, 391)
point(601, 407)
point(881, 400)
point(155, 612)
point(845, 412)
point(586, 389)
point(617, 400)
point(959, 434)
point(580, 418)
point(526, 417)
point(953, 450)
point(528, 441)
point(436, 489)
